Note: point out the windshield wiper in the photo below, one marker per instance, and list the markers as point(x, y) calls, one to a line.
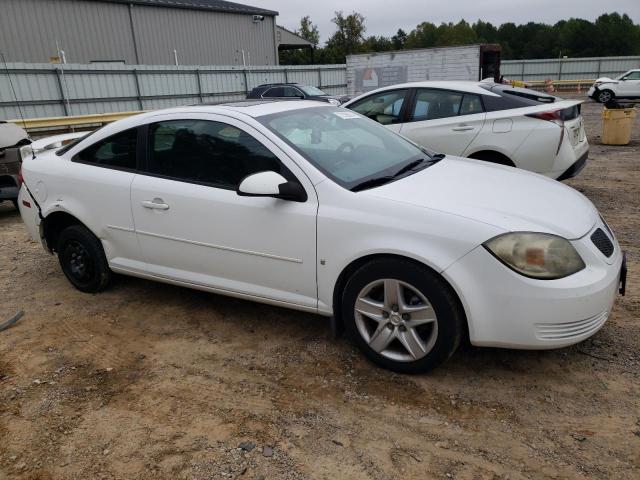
point(372, 182)
point(408, 166)
point(376, 182)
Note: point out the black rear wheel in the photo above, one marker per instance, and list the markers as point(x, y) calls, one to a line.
point(82, 259)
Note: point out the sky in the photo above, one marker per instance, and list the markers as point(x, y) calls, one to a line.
point(384, 17)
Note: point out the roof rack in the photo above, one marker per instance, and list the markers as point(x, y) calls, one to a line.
point(278, 83)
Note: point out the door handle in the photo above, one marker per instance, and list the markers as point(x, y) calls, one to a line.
point(462, 128)
point(155, 204)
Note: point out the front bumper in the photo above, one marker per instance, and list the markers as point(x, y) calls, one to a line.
point(505, 309)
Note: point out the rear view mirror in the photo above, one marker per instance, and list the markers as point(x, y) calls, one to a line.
point(271, 184)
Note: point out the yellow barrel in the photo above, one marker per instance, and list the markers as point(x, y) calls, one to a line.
point(616, 125)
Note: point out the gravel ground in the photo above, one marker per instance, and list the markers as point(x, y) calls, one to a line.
point(154, 381)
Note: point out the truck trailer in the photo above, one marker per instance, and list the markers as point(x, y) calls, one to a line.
point(368, 71)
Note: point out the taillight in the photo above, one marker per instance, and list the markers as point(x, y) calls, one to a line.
point(20, 178)
point(554, 116)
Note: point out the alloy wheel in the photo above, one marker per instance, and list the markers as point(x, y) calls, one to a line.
point(396, 320)
point(604, 96)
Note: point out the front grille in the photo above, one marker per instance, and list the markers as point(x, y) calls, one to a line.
point(602, 242)
point(571, 330)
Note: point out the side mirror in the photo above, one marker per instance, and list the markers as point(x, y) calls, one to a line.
point(271, 184)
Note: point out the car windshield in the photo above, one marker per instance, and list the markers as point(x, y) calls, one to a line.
point(311, 91)
point(350, 149)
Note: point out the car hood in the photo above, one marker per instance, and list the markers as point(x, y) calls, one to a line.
point(605, 80)
point(11, 134)
point(505, 197)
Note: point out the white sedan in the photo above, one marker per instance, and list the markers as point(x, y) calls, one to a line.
point(485, 121)
point(317, 208)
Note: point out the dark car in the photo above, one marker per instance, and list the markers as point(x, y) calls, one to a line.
point(294, 90)
point(12, 138)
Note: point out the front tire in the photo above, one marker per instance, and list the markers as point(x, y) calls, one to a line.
point(82, 259)
point(404, 317)
point(605, 96)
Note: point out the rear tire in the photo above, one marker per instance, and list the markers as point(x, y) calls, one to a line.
point(605, 96)
point(82, 259)
point(412, 330)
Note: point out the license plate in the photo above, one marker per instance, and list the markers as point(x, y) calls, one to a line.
point(576, 135)
point(623, 275)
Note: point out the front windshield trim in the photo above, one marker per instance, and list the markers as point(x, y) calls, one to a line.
point(348, 185)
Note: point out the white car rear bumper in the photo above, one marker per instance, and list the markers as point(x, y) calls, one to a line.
point(30, 215)
point(506, 309)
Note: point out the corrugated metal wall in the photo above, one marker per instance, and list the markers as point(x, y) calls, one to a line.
point(568, 68)
point(46, 90)
point(202, 38)
point(97, 31)
point(87, 31)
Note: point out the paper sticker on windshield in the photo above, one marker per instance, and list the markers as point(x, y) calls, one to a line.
point(347, 115)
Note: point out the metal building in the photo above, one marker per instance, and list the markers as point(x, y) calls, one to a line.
point(144, 32)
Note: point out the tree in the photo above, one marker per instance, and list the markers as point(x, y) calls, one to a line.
point(349, 36)
point(309, 31)
point(611, 34)
point(399, 40)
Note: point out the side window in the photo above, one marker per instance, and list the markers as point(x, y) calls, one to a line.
point(291, 92)
point(117, 151)
point(633, 76)
point(432, 104)
point(273, 92)
point(202, 151)
point(383, 107)
point(470, 104)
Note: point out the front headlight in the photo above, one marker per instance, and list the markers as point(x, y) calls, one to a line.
point(536, 255)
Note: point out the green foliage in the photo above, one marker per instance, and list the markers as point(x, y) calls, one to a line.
point(611, 34)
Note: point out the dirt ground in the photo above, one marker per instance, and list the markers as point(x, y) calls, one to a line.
point(154, 381)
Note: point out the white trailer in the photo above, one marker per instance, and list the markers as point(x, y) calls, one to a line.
point(368, 71)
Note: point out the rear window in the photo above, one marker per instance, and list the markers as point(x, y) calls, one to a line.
point(513, 97)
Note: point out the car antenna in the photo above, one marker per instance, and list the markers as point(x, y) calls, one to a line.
point(15, 96)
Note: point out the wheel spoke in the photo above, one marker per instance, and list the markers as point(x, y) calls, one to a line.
point(421, 316)
point(370, 308)
point(412, 343)
point(381, 338)
point(392, 293)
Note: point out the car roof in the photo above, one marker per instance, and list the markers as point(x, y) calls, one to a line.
point(459, 85)
point(278, 84)
point(251, 108)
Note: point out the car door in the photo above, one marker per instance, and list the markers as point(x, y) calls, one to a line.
point(386, 107)
point(194, 228)
point(629, 85)
point(102, 174)
point(445, 121)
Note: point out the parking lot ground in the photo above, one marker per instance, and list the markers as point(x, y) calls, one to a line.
point(152, 381)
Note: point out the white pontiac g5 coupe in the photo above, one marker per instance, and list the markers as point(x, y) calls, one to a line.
point(318, 208)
